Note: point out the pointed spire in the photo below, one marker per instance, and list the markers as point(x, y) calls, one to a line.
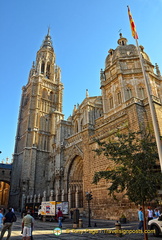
point(48, 31)
point(157, 70)
point(47, 43)
point(87, 93)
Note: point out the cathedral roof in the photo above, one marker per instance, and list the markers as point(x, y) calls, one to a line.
point(124, 51)
point(47, 43)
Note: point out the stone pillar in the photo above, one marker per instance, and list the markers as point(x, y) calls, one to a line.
point(28, 199)
point(35, 196)
point(39, 198)
point(23, 202)
point(56, 194)
point(44, 196)
point(51, 195)
point(31, 198)
point(77, 197)
point(62, 195)
point(69, 198)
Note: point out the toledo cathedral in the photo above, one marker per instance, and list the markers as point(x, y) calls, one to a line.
point(54, 158)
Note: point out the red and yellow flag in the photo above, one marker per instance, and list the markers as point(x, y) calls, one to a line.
point(132, 24)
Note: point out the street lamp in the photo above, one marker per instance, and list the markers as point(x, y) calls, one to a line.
point(89, 198)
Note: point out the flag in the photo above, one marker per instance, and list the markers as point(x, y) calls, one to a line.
point(132, 25)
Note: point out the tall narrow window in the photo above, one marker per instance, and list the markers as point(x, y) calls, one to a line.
point(128, 93)
point(119, 99)
point(141, 93)
point(48, 70)
point(51, 96)
point(111, 104)
point(42, 67)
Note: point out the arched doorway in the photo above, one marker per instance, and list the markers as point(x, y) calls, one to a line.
point(75, 183)
point(4, 194)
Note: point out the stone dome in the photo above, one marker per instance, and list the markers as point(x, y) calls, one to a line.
point(123, 51)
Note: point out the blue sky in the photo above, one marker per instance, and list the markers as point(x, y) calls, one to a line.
point(82, 32)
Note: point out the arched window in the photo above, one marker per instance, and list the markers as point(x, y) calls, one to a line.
point(128, 93)
point(42, 67)
point(76, 127)
point(44, 93)
point(111, 104)
point(141, 92)
point(81, 125)
point(48, 70)
point(119, 98)
point(51, 97)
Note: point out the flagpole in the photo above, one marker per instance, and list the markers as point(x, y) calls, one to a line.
point(152, 108)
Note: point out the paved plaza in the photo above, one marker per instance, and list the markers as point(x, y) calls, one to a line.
point(100, 229)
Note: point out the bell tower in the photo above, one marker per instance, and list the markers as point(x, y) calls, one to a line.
point(40, 110)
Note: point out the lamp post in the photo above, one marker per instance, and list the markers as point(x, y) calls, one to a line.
point(89, 198)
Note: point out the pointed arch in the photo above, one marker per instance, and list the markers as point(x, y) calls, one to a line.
point(48, 70)
point(111, 102)
point(75, 182)
point(44, 93)
point(51, 96)
point(141, 91)
point(75, 127)
point(128, 92)
point(42, 67)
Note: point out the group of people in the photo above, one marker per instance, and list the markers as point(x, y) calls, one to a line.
point(6, 221)
point(150, 214)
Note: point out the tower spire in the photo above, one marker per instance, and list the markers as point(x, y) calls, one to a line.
point(47, 43)
point(48, 34)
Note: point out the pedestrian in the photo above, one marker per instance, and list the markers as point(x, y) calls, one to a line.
point(59, 217)
point(141, 218)
point(7, 224)
point(3, 211)
point(1, 219)
point(27, 226)
point(149, 214)
point(156, 213)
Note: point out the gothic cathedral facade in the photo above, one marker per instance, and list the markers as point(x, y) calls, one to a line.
point(53, 157)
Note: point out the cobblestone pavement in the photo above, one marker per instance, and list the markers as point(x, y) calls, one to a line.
point(45, 231)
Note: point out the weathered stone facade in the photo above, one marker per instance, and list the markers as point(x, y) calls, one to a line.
point(53, 157)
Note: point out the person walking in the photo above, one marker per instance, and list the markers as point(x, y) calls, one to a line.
point(27, 226)
point(59, 217)
point(149, 214)
point(7, 224)
point(141, 218)
point(1, 219)
point(156, 213)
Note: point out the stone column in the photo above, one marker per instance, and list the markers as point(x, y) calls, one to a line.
point(51, 195)
point(57, 194)
point(35, 196)
point(77, 197)
point(31, 198)
point(23, 202)
point(69, 198)
point(38, 198)
point(44, 196)
point(28, 199)
point(62, 195)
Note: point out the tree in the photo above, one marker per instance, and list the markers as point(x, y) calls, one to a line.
point(136, 171)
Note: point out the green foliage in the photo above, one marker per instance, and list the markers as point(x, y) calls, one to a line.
point(136, 171)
